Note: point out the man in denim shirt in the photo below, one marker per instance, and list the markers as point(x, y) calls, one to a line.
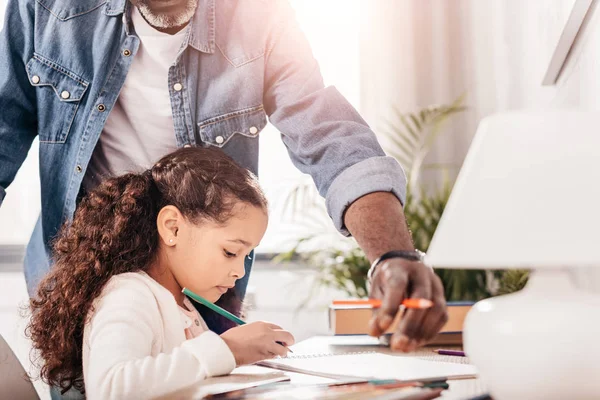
point(111, 85)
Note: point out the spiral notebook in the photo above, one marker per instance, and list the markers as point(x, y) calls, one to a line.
point(371, 365)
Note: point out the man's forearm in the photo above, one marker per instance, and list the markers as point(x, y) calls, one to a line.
point(378, 224)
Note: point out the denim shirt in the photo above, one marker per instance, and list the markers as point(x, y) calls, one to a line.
point(63, 63)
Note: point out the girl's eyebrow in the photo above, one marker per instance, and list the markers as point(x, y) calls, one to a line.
point(240, 241)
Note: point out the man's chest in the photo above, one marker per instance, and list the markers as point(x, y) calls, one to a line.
point(214, 99)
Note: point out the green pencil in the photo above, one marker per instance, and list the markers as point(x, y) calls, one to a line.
point(213, 307)
point(219, 310)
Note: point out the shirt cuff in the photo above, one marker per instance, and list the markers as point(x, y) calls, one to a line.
point(375, 174)
point(212, 352)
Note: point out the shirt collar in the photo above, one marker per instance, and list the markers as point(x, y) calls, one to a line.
point(115, 7)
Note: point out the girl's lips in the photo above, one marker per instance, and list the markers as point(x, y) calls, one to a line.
point(222, 289)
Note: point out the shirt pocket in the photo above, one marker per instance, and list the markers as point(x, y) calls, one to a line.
point(59, 93)
point(221, 130)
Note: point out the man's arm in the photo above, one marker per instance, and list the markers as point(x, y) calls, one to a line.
point(325, 136)
point(18, 121)
point(378, 224)
point(364, 189)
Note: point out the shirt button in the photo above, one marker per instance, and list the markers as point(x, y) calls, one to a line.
point(126, 52)
point(253, 130)
point(187, 146)
point(78, 168)
point(101, 107)
point(178, 87)
point(219, 139)
point(35, 79)
point(65, 95)
point(197, 322)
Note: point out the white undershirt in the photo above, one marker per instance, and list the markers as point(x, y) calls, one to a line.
point(139, 129)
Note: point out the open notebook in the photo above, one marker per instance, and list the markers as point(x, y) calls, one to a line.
point(370, 365)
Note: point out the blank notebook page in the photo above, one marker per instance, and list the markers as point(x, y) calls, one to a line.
point(371, 365)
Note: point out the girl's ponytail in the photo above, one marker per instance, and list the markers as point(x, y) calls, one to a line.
point(113, 231)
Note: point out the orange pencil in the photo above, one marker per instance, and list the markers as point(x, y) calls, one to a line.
point(376, 303)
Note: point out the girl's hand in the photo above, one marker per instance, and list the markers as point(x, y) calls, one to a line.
point(257, 341)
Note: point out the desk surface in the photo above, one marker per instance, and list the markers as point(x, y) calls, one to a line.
point(459, 389)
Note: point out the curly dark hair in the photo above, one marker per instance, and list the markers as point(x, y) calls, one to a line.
point(114, 231)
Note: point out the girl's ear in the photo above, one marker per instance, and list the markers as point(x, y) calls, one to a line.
point(168, 222)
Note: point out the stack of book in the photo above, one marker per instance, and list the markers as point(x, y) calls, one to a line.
point(354, 320)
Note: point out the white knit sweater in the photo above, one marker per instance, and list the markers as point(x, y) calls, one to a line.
point(134, 344)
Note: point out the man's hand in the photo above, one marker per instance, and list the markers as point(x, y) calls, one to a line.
point(377, 223)
point(393, 281)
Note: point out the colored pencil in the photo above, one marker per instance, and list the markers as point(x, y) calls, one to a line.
point(376, 303)
point(456, 353)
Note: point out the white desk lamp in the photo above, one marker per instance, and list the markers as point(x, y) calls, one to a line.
point(528, 196)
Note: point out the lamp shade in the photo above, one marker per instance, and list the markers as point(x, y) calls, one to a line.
point(527, 196)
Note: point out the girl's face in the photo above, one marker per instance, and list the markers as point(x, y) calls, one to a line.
point(207, 258)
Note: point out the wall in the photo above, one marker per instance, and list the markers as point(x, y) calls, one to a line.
point(416, 53)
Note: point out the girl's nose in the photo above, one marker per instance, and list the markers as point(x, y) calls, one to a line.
point(239, 271)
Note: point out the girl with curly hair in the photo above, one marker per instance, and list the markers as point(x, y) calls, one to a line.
point(110, 319)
